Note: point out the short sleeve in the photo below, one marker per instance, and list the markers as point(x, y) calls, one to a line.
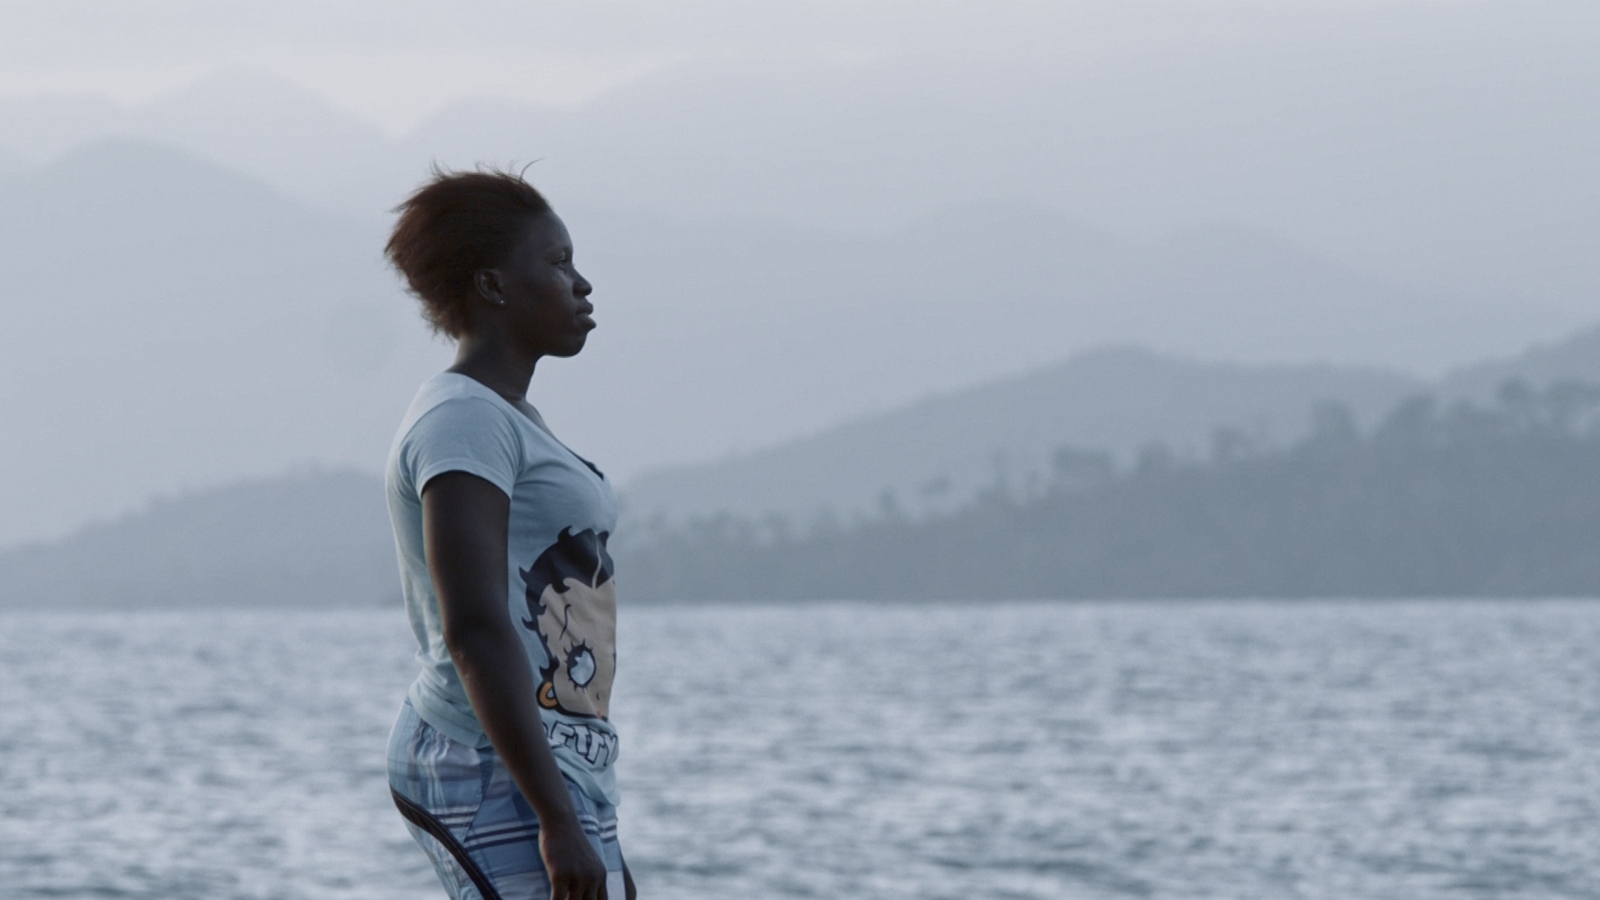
point(463, 434)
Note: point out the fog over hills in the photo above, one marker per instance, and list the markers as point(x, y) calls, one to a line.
point(937, 453)
point(171, 324)
point(261, 126)
point(322, 537)
point(201, 326)
point(1573, 358)
point(731, 335)
point(1468, 500)
point(309, 539)
point(1444, 147)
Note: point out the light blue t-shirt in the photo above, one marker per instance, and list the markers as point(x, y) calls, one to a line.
point(559, 587)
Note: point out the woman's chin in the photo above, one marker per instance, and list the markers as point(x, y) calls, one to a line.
point(573, 347)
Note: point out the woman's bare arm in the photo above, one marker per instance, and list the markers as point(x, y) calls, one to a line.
point(464, 527)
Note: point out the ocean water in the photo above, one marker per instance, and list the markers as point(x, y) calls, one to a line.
point(999, 750)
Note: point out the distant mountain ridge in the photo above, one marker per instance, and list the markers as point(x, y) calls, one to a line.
point(171, 323)
point(207, 327)
point(1453, 501)
point(937, 453)
point(726, 136)
point(1573, 358)
point(322, 537)
point(307, 539)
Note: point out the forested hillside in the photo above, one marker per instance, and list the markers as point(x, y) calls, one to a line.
point(938, 453)
point(1501, 499)
point(308, 539)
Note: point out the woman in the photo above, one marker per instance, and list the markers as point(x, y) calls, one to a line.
point(501, 758)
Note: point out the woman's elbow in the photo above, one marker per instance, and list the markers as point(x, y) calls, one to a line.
point(474, 640)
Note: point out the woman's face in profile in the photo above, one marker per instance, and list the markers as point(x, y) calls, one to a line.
point(546, 300)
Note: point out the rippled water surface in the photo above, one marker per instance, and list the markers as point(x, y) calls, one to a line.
point(1227, 750)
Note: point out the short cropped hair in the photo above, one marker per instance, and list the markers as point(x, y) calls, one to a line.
point(453, 226)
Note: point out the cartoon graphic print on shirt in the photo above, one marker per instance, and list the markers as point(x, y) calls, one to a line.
point(572, 606)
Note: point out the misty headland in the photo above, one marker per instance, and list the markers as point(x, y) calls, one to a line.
point(1385, 488)
point(1118, 471)
point(887, 323)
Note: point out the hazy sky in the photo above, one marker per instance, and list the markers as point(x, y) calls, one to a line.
point(394, 62)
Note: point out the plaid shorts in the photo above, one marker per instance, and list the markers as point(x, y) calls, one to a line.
point(463, 808)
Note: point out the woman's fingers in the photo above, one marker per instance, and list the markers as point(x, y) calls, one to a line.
point(579, 886)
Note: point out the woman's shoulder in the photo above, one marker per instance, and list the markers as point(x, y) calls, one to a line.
point(451, 407)
point(452, 427)
point(454, 386)
point(456, 395)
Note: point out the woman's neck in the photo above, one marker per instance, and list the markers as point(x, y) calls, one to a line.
point(496, 367)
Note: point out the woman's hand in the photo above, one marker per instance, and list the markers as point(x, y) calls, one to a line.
point(576, 872)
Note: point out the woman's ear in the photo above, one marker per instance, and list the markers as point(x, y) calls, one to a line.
point(487, 281)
